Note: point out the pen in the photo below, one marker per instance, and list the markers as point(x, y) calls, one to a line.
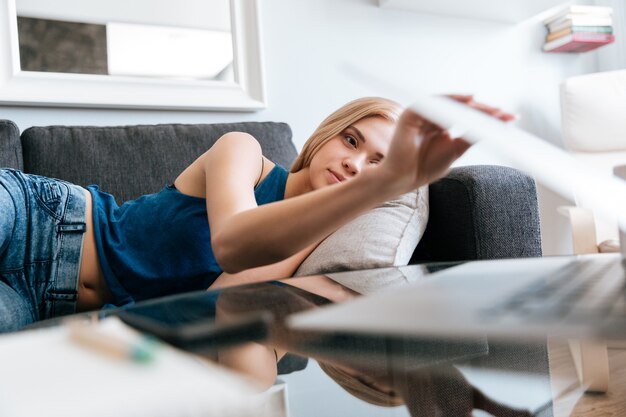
point(138, 349)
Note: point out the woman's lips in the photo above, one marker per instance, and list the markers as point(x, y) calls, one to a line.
point(335, 177)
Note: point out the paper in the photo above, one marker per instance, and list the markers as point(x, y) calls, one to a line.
point(44, 372)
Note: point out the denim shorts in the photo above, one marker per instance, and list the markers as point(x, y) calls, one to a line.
point(42, 225)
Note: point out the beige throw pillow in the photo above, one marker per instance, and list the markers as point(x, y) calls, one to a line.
point(384, 236)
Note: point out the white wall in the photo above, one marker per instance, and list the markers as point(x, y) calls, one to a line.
point(308, 44)
point(199, 14)
point(614, 58)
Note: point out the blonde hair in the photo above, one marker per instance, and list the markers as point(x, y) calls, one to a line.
point(360, 389)
point(340, 119)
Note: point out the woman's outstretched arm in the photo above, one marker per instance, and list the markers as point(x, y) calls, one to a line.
point(246, 236)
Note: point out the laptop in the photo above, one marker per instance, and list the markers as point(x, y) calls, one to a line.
point(569, 296)
point(573, 296)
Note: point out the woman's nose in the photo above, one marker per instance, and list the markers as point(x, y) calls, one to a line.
point(353, 165)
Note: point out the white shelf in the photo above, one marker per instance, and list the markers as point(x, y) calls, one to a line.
point(510, 11)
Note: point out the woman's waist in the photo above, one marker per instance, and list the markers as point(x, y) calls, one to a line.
point(93, 291)
point(152, 264)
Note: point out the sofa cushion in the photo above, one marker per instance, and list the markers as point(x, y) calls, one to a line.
point(384, 236)
point(129, 161)
point(10, 147)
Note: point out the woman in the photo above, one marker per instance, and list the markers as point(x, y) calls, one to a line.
point(64, 248)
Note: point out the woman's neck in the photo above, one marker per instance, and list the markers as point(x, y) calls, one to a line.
point(298, 183)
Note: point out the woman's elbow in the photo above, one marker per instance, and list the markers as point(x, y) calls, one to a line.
point(226, 255)
point(233, 257)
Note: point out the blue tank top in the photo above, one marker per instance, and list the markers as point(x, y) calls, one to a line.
point(160, 244)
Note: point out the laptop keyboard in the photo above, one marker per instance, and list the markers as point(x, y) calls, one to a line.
point(583, 290)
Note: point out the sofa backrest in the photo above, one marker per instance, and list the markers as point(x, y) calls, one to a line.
point(129, 161)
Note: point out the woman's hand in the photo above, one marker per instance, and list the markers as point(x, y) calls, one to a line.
point(420, 153)
point(491, 111)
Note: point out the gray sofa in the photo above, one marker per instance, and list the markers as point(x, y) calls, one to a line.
point(478, 212)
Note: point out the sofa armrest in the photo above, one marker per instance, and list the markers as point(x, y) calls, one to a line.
point(481, 212)
point(487, 212)
point(10, 146)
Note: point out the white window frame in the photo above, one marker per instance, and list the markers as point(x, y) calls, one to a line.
point(246, 93)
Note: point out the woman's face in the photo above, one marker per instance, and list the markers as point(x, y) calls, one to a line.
point(360, 146)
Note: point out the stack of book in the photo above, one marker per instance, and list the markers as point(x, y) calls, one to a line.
point(579, 29)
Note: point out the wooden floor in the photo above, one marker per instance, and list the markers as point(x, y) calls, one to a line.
point(574, 402)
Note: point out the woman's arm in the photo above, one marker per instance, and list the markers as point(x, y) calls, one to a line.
point(255, 360)
point(279, 270)
point(245, 236)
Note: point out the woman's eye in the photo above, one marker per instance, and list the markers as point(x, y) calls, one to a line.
point(374, 162)
point(352, 141)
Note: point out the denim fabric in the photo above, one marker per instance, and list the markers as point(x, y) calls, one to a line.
point(42, 225)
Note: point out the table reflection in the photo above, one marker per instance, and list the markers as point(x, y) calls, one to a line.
point(384, 370)
point(381, 370)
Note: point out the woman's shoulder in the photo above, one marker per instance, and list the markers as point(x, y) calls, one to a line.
point(241, 148)
point(237, 140)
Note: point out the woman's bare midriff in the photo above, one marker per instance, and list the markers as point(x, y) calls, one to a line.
point(93, 291)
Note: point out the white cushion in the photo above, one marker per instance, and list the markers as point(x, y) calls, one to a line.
point(374, 281)
point(384, 236)
point(593, 112)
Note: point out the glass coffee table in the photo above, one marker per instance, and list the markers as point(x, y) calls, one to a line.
point(323, 373)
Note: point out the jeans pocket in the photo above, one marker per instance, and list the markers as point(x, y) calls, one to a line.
point(48, 193)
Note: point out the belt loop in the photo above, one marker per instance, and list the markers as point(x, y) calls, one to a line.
point(72, 228)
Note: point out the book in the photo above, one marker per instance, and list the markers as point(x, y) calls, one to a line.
point(579, 42)
point(579, 21)
point(580, 10)
point(578, 29)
